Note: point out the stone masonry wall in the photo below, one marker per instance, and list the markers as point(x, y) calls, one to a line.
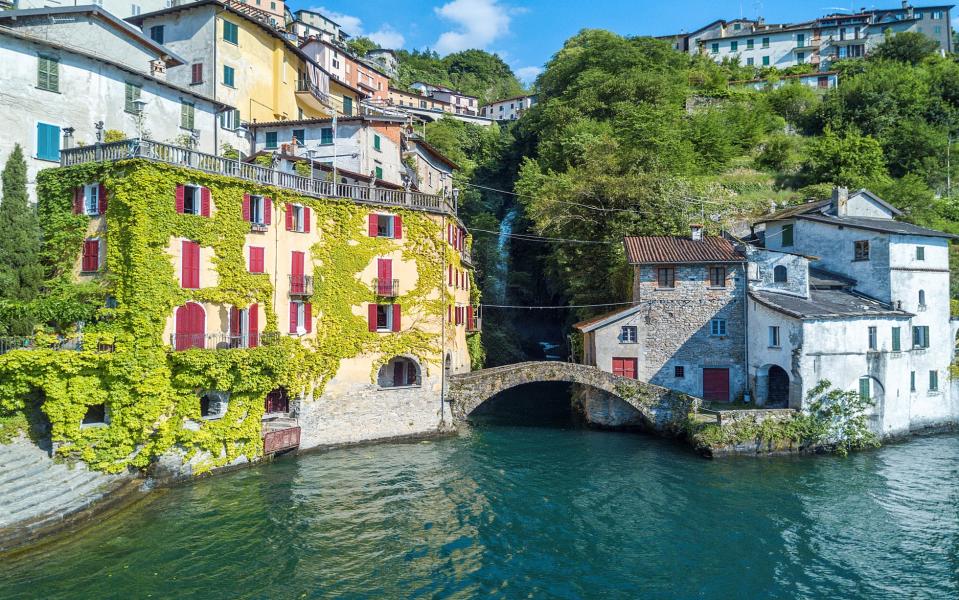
point(675, 327)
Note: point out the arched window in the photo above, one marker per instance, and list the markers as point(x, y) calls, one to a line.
point(400, 371)
point(922, 298)
point(779, 274)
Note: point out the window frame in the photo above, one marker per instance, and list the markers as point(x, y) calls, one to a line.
point(920, 337)
point(670, 278)
point(326, 136)
point(629, 334)
point(787, 235)
point(129, 99)
point(873, 338)
point(717, 282)
point(897, 339)
point(196, 199)
point(777, 278)
point(229, 73)
point(51, 75)
point(257, 209)
point(231, 30)
point(387, 310)
point(920, 253)
point(774, 337)
point(718, 328)
point(860, 250)
point(91, 199)
point(933, 381)
point(389, 229)
point(187, 115)
point(679, 372)
point(267, 136)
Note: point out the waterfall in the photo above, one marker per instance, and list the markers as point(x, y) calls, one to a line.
point(500, 272)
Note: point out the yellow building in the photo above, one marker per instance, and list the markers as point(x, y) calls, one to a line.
point(242, 56)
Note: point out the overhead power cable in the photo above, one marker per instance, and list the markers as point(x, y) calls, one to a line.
point(558, 307)
point(539, 238)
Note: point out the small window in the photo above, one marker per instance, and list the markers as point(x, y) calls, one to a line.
point(384, 317)
point(628, 334)
point(230, 119)
point(933, 381)
point(156, 33)
point(132, 95)
point(229, 76)
point(896, 339)
point(48, 73)
point(48, 142)
point(717, 277)
point(376, 143)
point(920, 336)
point(715, 48)
point(922, 299)
point(187, 115)
point(231, 33)
point(862, 250)
point(765, 60)
point(773, 336)
point(679, 371)
point(192, 201)
point(299, 218)
point(299, 136)
point(920, 253)
point(666, 277)
point(385, 226)
point(347, 106)
point(912, 381)
point(257, 212)
point(865, 388)
point(717, 327)
point(96, 414)
point(196, 75)
point(91, 199)
point(787, 235)
point(766, 43)
point(378, 172)
point(873, 339)
point(326, 135)
point(750, 44)
point(271, 140)
point(801, 57)
point(750, 61)
point(733, 46)
point(780, 274)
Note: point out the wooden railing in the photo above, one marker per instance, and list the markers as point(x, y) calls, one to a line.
point(220, 165)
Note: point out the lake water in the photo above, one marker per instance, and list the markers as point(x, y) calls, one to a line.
point(521, 508)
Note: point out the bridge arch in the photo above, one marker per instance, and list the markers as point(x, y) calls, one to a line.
point(662, 408)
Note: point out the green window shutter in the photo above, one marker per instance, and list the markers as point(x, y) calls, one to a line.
point(48, 74)
point(896, 343)
point(864, 388)
point(326, 135)
point(347, 106)
point(187, 115)
point(379, 172)
point(376, 142)
point(228, 76)
point(787, 235)
point(933, 381)
point(132, 95)
point(271, 139)
point(231, 32)
point(48, 142)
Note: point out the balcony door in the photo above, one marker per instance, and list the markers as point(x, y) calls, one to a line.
point(190, 326)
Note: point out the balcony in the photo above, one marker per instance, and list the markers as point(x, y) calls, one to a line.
point(301, 285)
point(467, 255)
point(474, 321)
point(220, 341)
point(313, 96)
point(386, 288)
point(219, 165)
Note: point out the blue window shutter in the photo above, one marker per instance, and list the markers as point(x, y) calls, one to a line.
point(48, 142)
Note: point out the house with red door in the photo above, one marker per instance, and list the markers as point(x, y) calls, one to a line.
point(685, 329)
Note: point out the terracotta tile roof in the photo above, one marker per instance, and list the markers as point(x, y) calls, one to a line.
point(642, 250)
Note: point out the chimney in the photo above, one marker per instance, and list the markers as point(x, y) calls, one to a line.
point(840, 201)
point(68, 137)
point(697, 232)
point(158, 69)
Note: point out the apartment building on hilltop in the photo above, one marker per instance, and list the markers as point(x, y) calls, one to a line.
point(76, 72)
point(508, 109)
point(347, 69)
point(819, 42)
point(460, 103)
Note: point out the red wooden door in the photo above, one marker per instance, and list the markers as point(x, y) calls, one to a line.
point(297, 282)
point(384, 277)
point(625, 367)
point(190, 327)
point(716, 385)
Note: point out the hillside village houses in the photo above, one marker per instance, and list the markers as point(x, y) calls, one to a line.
point(508, 109)
point(76, 72)
point(836, 290)
point(460, 103)
point(817, 42)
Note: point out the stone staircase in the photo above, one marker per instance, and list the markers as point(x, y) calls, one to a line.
point(38, 494)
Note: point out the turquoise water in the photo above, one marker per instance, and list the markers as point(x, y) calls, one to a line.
point(551, 511)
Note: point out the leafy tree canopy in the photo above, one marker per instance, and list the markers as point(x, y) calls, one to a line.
point(474, 72)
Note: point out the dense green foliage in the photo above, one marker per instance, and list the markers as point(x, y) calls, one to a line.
point(359, 46)
point(474, 72)
point(21, 274)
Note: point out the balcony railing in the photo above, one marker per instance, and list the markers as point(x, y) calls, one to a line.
point(220, 341)
point(76, 343)
point(305, 85)
point(475, 323)
point(307, 186)
point(467, 254)
point(387, 288)
point(301, 285)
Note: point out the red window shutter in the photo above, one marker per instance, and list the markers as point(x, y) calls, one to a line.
point(308, 315)
point(91, 256)
point(450, 275)
point(234, 322)
point(179, 199)
point(293, 315)
point(449, 313)
point(398, 227)
point(306, 219)
point(205, 201)
point(374, 224)
point(297, 283)
point(102, 200)
point(396, 317)
point(190, 265)
point(449, 233)
point(372, 317)
point(384, 274)
point(78, 200)
point(254, 325)
point(268, 211)
point(245, 207)
point(256, 260)
point(289, 217)
point(197, 73)
point(469, 318)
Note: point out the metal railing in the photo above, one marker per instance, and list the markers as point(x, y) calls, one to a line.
point(220, 341)
point(305, 85)
point(201, 161)
point(467, 255)
point(301, 285)
point(476, 323)
point(70, 344)
point(387, 288)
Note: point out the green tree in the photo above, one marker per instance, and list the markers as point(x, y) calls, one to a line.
point(907, 46)
point(21, 274)
point(850, 159)
point(360, 46)
point(795, 102)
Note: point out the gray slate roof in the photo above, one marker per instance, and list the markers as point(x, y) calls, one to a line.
point(827, 304)
point(880, 225)
point(821, 278)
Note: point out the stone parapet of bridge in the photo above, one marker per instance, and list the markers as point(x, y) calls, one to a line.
point(664, 410)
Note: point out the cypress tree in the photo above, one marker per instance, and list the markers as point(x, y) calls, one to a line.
point(20, 271)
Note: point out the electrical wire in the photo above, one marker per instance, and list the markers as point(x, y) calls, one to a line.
point(558, 307)
point(539, 238)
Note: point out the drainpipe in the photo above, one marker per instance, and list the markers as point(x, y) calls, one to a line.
point(443, 325)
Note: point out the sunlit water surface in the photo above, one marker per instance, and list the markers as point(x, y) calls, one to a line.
point(507, 510)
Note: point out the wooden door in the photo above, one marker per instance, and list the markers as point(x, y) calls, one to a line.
point(384, 277)
point(297, 283)
point(716, 385)
point(625, 367)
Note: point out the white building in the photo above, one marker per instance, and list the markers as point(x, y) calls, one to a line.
point(460, 102)
point(309, 23)
point(119, 8)
point(820, 80)
point(508, 109)
point(819, 42)
point(69, 69)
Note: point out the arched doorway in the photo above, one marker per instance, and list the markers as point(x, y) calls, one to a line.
point(190, 327)
point(777, 387)
point(400, 371)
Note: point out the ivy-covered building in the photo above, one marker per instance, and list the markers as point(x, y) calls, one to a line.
point(225, 304)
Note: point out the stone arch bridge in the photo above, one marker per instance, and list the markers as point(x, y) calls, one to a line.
point(663, 409)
